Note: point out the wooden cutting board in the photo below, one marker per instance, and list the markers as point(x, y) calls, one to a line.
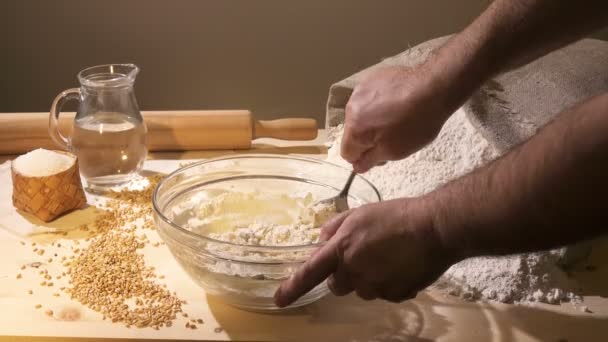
point(431, 316)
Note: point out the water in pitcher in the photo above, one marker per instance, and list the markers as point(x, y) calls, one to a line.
point(111, 147)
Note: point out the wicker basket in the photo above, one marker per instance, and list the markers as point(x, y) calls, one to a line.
point(50, 196)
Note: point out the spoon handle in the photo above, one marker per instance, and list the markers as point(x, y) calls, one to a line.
point(344, 191)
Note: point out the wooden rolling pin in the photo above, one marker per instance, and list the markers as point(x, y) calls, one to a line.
point(167, 130)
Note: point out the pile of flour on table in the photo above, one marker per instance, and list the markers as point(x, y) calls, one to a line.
point(459, 149)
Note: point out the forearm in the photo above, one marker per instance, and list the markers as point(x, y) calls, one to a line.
point(547, 192)
point(510, 33)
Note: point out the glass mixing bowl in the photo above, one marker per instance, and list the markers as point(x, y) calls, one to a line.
point(246, 276)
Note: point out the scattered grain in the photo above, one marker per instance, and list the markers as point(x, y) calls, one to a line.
point(49, 312)
point(38, 306)
point(110, 271)
point(19, 276)
point(30, 292)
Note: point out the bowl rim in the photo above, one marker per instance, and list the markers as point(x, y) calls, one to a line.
point(243, 156)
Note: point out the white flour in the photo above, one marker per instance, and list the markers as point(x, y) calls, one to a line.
point(459, 149)
point(261, 219)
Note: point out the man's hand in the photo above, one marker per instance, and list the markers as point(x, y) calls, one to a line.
point(392, 113)
point(395, 111)
point(386, 250)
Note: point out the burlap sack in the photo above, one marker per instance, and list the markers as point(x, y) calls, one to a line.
point(513, 106)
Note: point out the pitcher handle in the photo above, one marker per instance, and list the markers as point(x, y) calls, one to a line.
point(60, 100)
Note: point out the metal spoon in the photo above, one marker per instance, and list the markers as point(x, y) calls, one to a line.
point(340, 201)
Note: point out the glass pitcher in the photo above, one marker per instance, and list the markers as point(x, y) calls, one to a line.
point(109, 134)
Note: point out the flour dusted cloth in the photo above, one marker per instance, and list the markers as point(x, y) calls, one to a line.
point(513, 106)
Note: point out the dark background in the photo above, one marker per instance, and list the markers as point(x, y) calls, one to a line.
point(275, 57)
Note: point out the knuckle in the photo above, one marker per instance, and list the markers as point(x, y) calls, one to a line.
point(349, 147)
point(351, 249)
point(339, 286)
point(360, 130)
point(366, 293)
point(301, 275)
point(394, 298)
point(365, 288)
point(331, 285)
point(395, 151)
point(370, 158)
point(398, 295)
point(352, 108)
point(345, 252)
point(296, 278)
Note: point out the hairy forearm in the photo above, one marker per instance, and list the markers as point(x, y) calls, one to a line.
point(510, 33)
point(547, 192)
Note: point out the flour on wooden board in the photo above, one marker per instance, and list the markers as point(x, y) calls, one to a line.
point(460, 148)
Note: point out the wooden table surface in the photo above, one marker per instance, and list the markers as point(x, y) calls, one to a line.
point(430, 317)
